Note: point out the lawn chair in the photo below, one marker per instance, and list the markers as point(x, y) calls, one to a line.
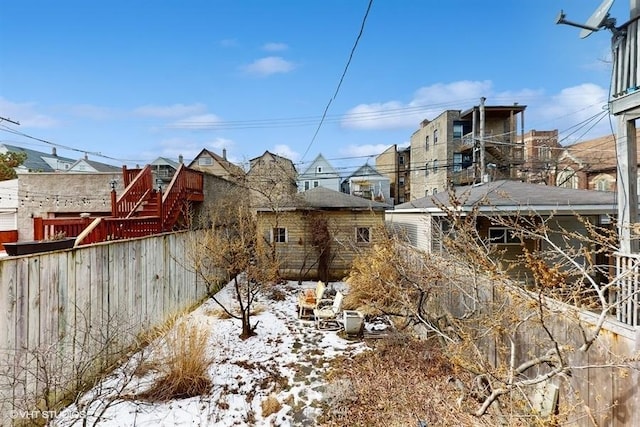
point(327, 311)
point(308, 300)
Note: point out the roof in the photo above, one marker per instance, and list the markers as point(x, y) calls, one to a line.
point(99, 167)
point(324, 198)
point(35, 159)
point(516, 196)
point(366, 170)
point(163, 161)
point(598, 153)
point(231, 168)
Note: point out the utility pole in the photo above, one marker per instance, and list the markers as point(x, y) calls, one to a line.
point(4, 119)
point(483, 166)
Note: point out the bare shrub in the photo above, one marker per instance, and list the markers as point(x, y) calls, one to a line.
point(413, 387)
point(183, 371)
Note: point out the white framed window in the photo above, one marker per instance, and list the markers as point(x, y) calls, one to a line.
point(278, 235)
point(363, 235)
point(306, 185)
point(205, 161)
point(319, 169)
point(401, 181)
point(315, 184)
point(567, 178)
point(503, 236)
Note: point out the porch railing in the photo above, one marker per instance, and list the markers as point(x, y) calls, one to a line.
point(627, 298)
point(626, 60)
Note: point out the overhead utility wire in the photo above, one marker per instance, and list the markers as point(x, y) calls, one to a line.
point(353, 49)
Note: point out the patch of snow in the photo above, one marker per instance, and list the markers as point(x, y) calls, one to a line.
point(287, 360)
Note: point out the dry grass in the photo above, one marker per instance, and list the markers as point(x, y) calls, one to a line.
point(400, 383)
point(183, 366)
point(270, 405)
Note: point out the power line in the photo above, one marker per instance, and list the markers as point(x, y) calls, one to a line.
point(353, 49)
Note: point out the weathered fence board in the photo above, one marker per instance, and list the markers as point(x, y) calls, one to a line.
point(78, 302)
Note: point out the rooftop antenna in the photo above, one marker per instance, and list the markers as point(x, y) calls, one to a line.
point(599, 19)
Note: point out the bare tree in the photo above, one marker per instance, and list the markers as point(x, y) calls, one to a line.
point(230, 245)
point(524, 325)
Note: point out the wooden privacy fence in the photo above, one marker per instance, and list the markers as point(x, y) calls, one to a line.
point(63, 312)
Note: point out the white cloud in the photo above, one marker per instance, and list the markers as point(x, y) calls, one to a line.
point(363, 150)
point(269, 65)
point(26, 114)
point(275, 47)
point(202, 121)
point(427, 103)
point(574, 111)
point(169, 111)
point(286, 151)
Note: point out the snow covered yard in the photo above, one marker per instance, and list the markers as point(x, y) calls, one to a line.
point(274, 378)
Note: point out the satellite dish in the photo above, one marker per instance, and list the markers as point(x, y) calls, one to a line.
point(599, 19)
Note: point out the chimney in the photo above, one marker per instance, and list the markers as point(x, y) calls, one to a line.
point(86, 156)
point(180, 159)
point(53, 152)
point(424, 123)
point(224, 153)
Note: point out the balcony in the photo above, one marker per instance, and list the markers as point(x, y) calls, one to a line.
point(625, 80)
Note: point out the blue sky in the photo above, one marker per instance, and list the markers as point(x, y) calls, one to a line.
point(134, 80)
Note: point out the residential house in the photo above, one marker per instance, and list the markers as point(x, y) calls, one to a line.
point(424, 221)
point(463, 147)
point(590, 164)
point(320, 173)
point(394, 163)
point(348, 222)
point(368, 183)
point(271, 180)
point(164, 169)
point(213, 164)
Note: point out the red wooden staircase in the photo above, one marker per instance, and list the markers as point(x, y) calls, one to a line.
point(141, 210)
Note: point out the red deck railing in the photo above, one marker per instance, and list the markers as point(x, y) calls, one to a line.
point(134, 194)
point(126, 220)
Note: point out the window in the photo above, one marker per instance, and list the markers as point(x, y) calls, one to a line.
point(306, 185)
point(435, 191)
point(426, 169)
point(435, 166)
point(544, 152)
point(363, 235)
point(426, 142)
point(458, 129)
point(401, 160)
point(461, 161)
point(503, 236)
point(279, 235)
point(401, 181)
point(602, 185)
point(205, 161)
point(315, 184)
point(567, 178)
point(319, 169)
point(435, 136)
